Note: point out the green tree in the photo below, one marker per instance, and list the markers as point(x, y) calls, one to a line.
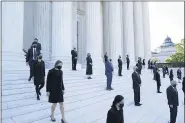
point(155, 59)
point(179, 55)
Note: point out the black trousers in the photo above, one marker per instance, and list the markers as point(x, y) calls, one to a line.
point(74, 61)
point(163, 75)
point(119, 70)
point(31, 68)
point(137, 95)
point(158, 88)
point(127, 66)
point(173, 114)
point(38, 88)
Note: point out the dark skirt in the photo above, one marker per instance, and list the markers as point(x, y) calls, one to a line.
point(89, 70)
point(56, 97)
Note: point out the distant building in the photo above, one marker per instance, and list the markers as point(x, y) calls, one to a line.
point(165, 50)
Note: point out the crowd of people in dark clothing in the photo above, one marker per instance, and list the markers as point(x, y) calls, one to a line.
point(55, 86)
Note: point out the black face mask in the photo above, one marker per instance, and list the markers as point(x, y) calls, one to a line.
point(121, 106)
point(174, 85)
point(59, 67)
point(40, 57)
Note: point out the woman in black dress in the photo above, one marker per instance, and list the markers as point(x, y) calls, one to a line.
point(39, 75)
point(179, 74)
point(115, 114)
point(171, 75)
point(55, 89)
point(143, 63)
point(89, 66)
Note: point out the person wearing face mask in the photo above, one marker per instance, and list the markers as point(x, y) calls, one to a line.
point(31, 58)
point(89, 66)
point(136, 86)
point(173, 100)
point(55, 89)
point(39, 75)
point(171, 75)
point(115, 114)
point(120, 66)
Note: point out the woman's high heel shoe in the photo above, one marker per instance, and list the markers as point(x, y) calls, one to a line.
point(53, 120)
point(62, 121)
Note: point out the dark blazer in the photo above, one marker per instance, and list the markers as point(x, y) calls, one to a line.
point(172, 96)
point(158, 79)
point(38, 72)
point(115, 116)
point(74, 54)
point(39, 47)
point(136, 80)
point(29, 56)
point(120, 62)
point(108, 68)
point(105, 58)
point(128, 60)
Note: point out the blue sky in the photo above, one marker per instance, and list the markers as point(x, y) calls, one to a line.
point(166, 18)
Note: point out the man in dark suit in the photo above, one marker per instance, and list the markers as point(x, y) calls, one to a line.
point(108, 72)
point(128, 62)
point(105, 57)
point(183, 84)
point(38, 45)
point(136, 86)
point(74, 58)
point(139, 65)
point(120, 66)
point(31, 58)
point(154, 72)
point(173, 100)
point(158, 80)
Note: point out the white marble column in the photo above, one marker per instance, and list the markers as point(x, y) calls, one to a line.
point(62, 33)
point(94, 32)
point(42, 22)
point(146, 31)
point(115, 31)
point(106, 28)
point(138, 30)
point(128, 31)
point(12, 36)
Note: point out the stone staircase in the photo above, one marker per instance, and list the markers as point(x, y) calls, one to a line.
point(86, 101)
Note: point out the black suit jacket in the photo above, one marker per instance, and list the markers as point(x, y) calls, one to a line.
point(120, 62)
point(115, 116)
point(172, 96)
point(74, 54)
point(39, 47)
point(128, 60)
point(29, 56)
point(136, 80)
point(183, 84)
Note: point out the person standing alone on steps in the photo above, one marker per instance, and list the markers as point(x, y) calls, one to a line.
point(173, 100)
point(128, 62)
point(74, 58)
point(136, 86)
point(39, 75)
point(120, 66)
point(109, 72)
point(89, 68)
point(55, 89)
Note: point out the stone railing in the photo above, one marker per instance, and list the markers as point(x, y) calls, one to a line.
point(171, 65)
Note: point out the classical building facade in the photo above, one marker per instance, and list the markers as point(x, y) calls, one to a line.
point(165, 50)
point(118, 28)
